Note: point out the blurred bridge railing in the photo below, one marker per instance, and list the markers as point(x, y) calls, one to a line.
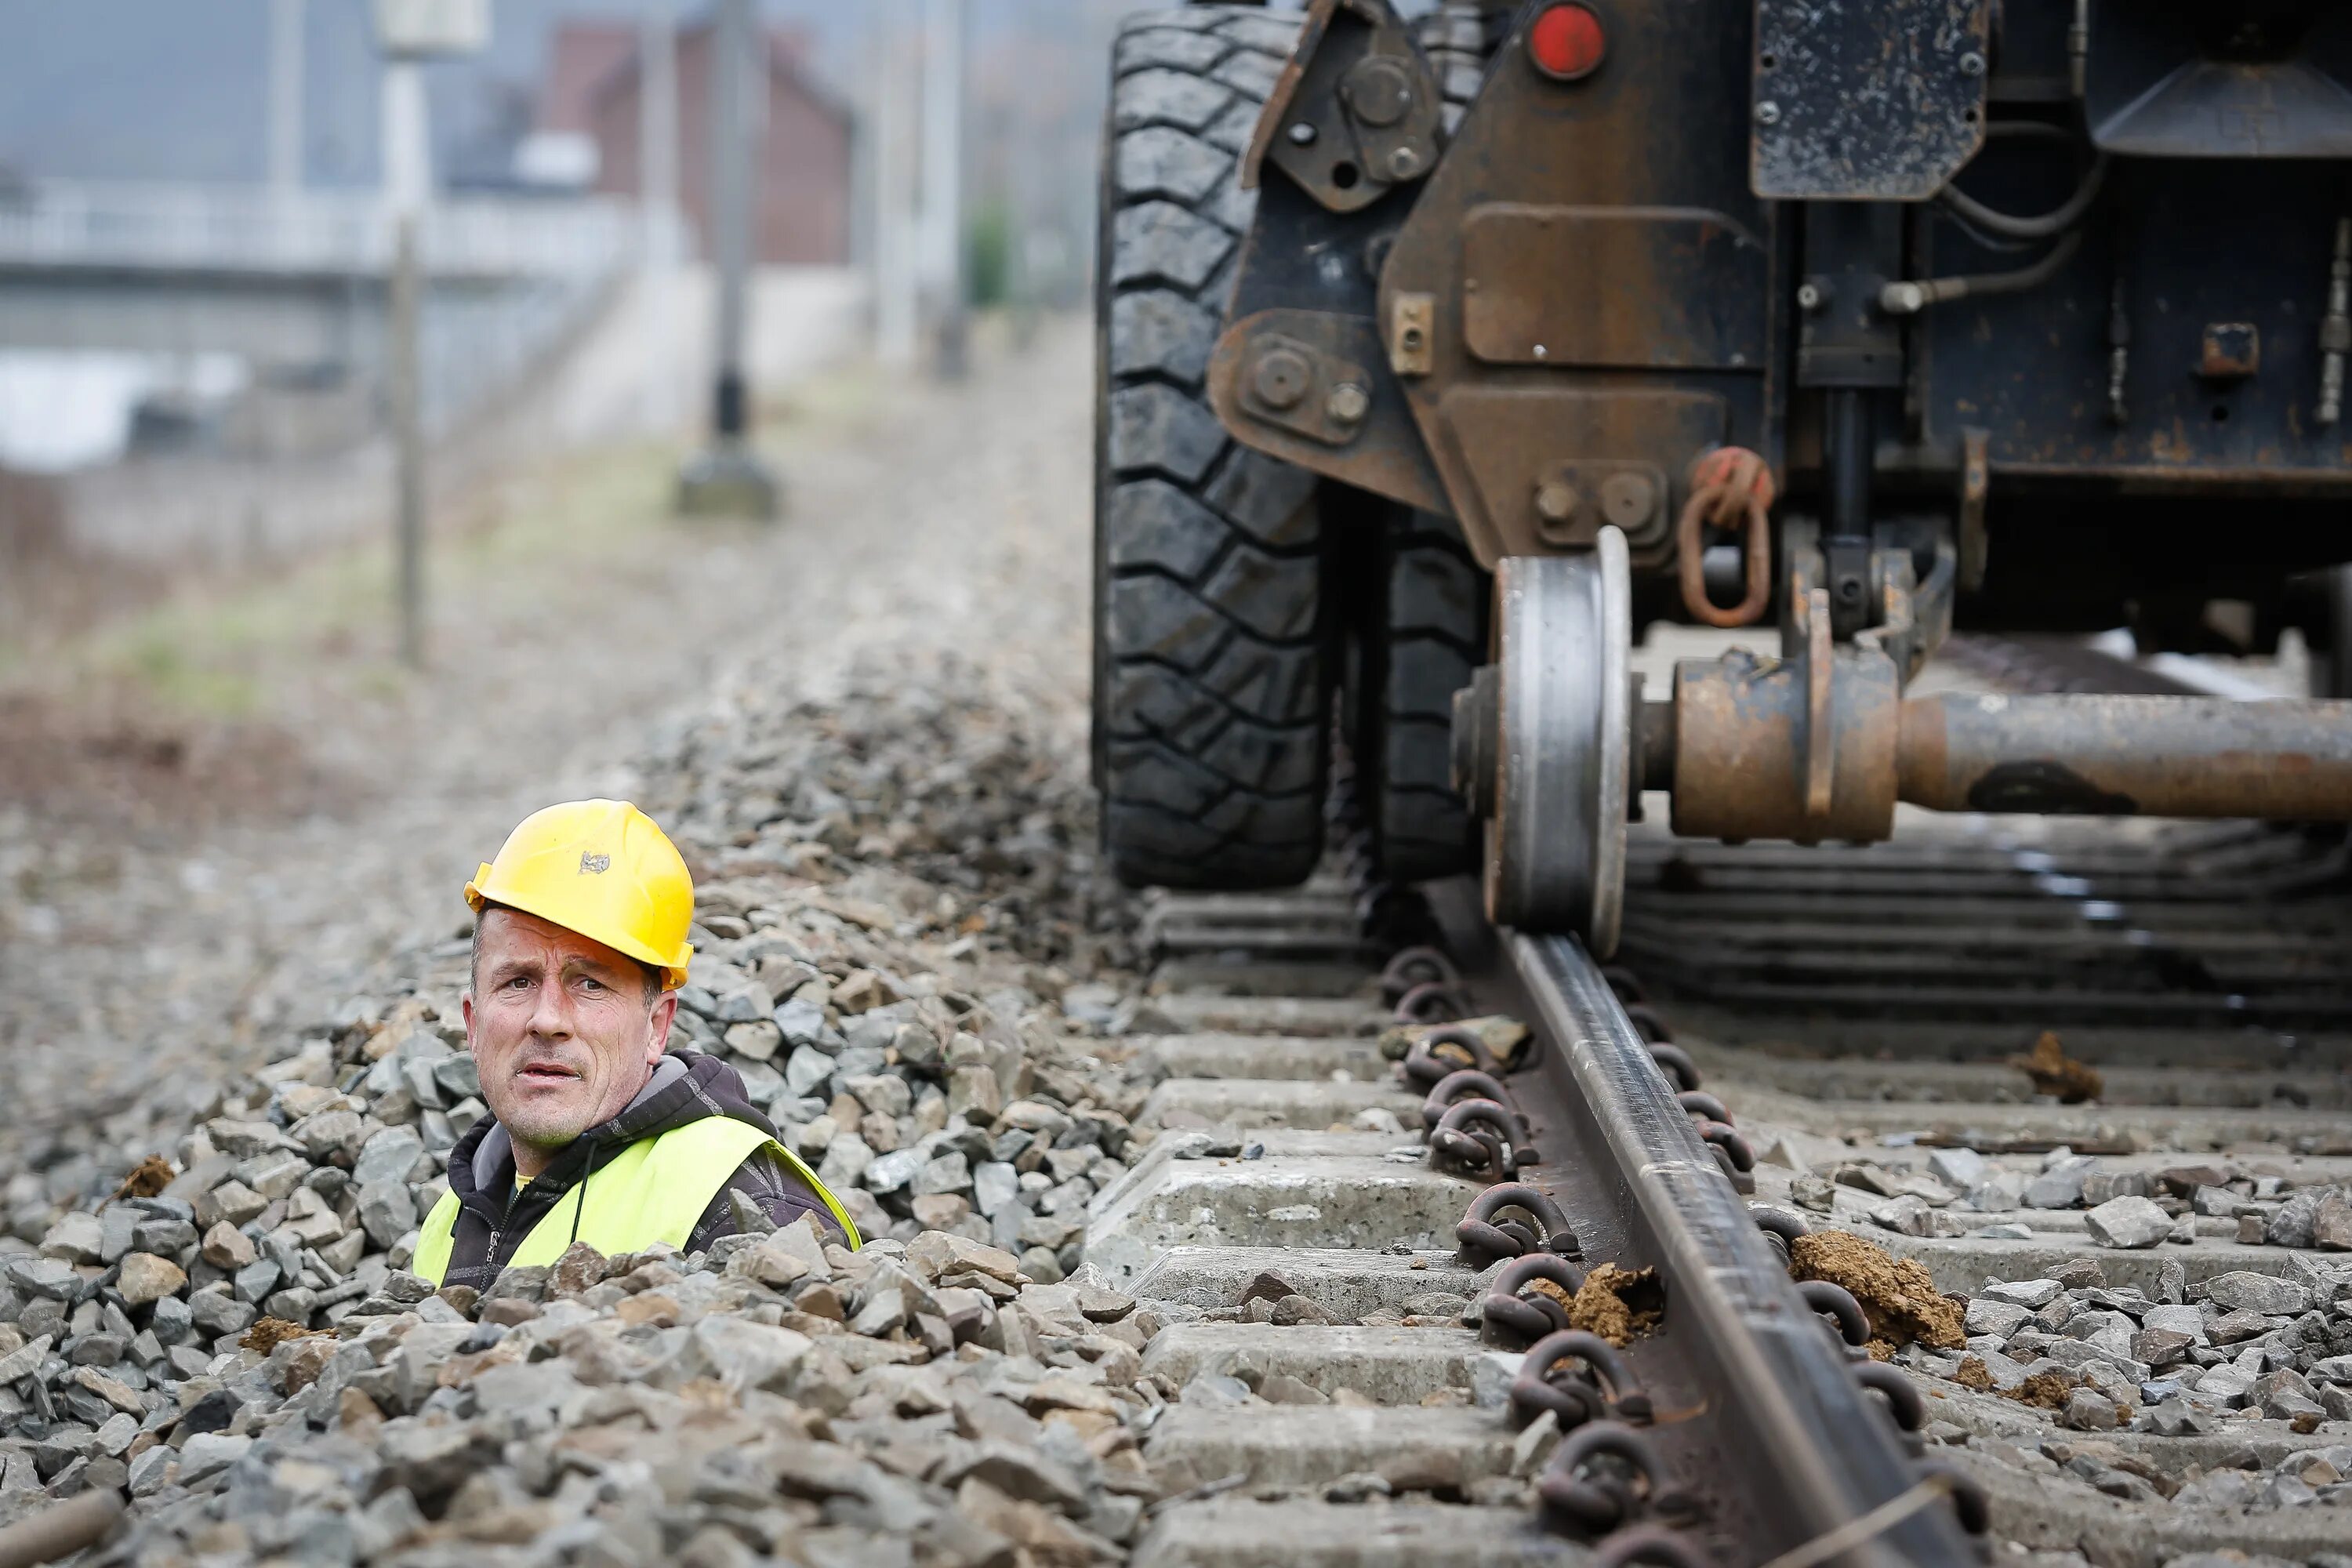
point(299, 282)
point(314, 233)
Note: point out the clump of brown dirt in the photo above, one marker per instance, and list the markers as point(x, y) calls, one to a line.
point(147, 1178)
point(1972, 1373)
point(268, 1333)
point(2046, 1390)
point(1898, 1296)
point(1620, 1305)
point(1553, 1289)
point(2055, 1073)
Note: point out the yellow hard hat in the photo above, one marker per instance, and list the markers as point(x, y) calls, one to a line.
point(600, 867)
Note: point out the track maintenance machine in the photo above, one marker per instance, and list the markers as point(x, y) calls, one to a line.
point(1441, 355)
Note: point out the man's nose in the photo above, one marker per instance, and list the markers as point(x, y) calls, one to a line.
point(551, 1016)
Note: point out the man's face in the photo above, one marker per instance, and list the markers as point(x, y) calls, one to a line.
point(561, 1029)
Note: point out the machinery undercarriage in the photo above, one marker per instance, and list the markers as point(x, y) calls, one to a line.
point(1727, 313)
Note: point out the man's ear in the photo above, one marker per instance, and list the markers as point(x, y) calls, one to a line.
point(658, 1038)
point(465, 1011)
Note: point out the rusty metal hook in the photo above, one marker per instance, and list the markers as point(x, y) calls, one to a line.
point(1708, 504)
point(1701, 1104)
point(1837, 1303)
point(1507, 1318)
point(1454, 1086)
point(1416, 966)
point(1968, 1499)
point(1483, 1242)
point(1781, 1228)
point(1479, 1135)
point(1650, 1024)
point(1424, 1067)
point(1729, 1146)
point(1432, 1002)
point(1618, 1395)
point(1676, 1063)
point(1597, 1504)
point(1903, 1401)
point(1625, 984)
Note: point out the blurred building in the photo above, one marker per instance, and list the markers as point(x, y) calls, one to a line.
point(584, 136)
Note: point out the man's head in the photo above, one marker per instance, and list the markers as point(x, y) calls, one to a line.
point(581, 937)
point(565, 1030)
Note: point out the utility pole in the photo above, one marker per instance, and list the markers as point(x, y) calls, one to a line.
point(944, 48)
point(657, 132)
point(411, 32)
point(286, 107)
point(408, 184)
point(894, 261)
point(729, 479)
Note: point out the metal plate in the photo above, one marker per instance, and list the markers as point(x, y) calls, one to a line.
point(1556, 837)
point(1877, 102)
point(1703, 275)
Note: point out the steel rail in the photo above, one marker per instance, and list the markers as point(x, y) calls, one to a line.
point(1758, 1408)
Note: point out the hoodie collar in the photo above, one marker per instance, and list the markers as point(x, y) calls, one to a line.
point(685, 1086)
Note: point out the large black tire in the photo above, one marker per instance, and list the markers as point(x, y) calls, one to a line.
point(2330, 640)
point(1427, 633)
point(1214, 660)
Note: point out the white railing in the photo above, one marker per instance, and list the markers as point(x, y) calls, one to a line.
point(251, 229)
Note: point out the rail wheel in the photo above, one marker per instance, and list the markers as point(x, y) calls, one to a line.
point(1214, 658)
point(1561, 757)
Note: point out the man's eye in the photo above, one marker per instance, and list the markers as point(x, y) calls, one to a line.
point(518, 982)
point(591, 982)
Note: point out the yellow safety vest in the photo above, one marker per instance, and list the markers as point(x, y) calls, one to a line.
point(655, 1190)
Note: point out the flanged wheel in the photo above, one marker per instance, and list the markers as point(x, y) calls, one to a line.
point(1555, 832)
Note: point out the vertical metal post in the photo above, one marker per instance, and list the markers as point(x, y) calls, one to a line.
point(408, 437)
point(892, 162)
point(657, 132)
point(407, 179)
point(944, 48)
point(731, 212)
point(285, 96)
point(729, 479)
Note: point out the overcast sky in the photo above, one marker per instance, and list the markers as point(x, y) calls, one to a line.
point(176, 89)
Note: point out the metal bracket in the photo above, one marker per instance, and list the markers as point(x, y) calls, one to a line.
point(1290, 383)
point(1976, 484)
point(1356, 111)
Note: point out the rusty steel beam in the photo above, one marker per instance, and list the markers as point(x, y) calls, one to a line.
point(2110, 755)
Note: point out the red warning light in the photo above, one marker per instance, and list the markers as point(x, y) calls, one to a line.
point(1567, 42)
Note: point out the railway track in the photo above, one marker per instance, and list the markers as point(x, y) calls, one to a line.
point(1354, 1394)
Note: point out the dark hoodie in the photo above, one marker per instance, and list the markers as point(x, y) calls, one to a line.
point(493, 1218)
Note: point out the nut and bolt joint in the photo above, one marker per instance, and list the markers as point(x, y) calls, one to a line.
point(1301, 134)
point(1768, 114)
point(1972, 64)
point(1348, 403)
point(1280, 377)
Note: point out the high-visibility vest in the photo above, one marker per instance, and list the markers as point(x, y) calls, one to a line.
point(656, 1189)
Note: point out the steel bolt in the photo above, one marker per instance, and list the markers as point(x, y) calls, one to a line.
point(1768, 114)
point(1379, 89)
point(1281, 376)
point(1556, 500)
point(1972, 64)
point(1628, 499)
point(1348, 403)
point(1405, 163)
point(1302, 134)
point(1808, 297)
